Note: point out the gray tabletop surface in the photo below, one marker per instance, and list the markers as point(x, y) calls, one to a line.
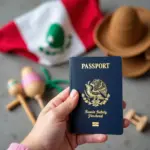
point(14, 126)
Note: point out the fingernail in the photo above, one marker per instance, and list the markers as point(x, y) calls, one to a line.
point(68, 88)
point(73, 93)
point(103, 138)
point(126, 123)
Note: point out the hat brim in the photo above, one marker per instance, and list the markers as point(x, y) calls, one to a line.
point(135, 66)
point(102, 39)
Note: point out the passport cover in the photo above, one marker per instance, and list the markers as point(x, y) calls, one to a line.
point(99, 83)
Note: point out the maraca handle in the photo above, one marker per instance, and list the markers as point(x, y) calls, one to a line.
point(12, 104)
point(40, 101)
point(26, 108)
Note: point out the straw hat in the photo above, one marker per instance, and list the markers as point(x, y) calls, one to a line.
point(147, 54)
point(135, 66)
point(125, 33)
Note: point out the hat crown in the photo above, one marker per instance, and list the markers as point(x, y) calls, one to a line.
point(125, 17)
point(125, 27)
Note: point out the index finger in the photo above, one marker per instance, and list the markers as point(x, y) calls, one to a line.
point(56, 101)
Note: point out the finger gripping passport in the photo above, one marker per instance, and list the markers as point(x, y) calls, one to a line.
point(99, 83)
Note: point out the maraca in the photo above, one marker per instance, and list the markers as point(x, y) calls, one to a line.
point(13, 104)
point(33, 85)
point(15, 89)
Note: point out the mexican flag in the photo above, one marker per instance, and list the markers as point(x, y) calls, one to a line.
point(52, 32)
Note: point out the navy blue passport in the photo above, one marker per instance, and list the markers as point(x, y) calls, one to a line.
point(99, 83)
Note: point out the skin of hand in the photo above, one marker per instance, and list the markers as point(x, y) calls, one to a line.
point(50, 131)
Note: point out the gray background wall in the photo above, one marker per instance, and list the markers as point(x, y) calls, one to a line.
point(15, 126)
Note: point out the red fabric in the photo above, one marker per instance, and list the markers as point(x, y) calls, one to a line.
point(11, 41)
point(84, 16)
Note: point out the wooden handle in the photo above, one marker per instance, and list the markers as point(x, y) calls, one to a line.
point(40, 101)
point(12, 104)
point(26, 108)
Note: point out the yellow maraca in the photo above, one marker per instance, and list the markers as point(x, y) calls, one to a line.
point(33, 85)
point(15, 89)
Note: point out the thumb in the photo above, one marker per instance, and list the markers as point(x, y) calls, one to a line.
point(63, 110)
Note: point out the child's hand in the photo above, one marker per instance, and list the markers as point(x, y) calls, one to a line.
point(50, 131)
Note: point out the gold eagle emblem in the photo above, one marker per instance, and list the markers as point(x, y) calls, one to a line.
point(95, 93)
